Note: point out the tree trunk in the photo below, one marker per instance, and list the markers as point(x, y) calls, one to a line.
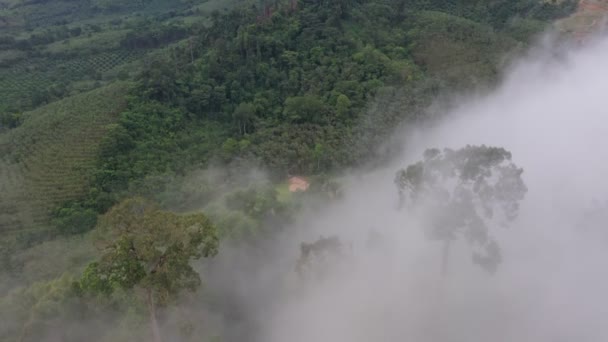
point(153, 322)
point(444, 257)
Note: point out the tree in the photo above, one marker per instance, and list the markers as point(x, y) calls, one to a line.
point(318, 154)
point(243, 115)
point(149, 249)
point(74, 219)
point(230, 148)
point(10, 120)
point(32, 312)
point(461, 193)
point(257, 202)
point(343, 105)
point(307, 108)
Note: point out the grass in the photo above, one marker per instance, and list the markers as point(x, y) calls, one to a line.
point(283, 193)
point(49, 158)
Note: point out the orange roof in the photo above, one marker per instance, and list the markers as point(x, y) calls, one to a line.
point(298, 184)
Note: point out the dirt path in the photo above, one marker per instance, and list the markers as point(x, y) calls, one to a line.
point(586, 20)
point(594, 6)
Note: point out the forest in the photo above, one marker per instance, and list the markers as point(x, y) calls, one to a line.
point(139, 141)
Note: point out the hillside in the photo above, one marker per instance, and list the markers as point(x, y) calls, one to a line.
point(42, 169)
point(52, 49)
point(207, 106)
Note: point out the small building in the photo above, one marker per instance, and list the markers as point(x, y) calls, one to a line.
point(298, 184)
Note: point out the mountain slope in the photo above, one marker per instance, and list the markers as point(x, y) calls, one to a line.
point(49, 158)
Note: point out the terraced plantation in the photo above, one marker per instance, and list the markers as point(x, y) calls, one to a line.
point(38, 77)
point(41, 169)
point(53, 49)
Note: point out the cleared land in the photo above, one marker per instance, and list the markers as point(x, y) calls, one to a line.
point(589, 16)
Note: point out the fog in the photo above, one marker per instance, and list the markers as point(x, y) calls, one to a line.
point(550, 112)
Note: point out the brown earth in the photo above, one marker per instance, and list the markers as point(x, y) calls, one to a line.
point(588, 18)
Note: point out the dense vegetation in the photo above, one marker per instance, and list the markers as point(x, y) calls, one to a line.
point(105, 101)
point(290, 90)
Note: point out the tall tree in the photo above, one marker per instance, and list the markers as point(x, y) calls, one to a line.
point(462, 193)
point(149, 249)
point(243, 115)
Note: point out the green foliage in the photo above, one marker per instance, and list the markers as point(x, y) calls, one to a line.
point(289, 70)
point(92, 281)
point(24, 262)
point(306, 87)
point(50, 159)
point(37, 81)
point(496, 13)
point(236, 226)
point(256, 203)
point(343, 105)
point(290, 92)
point(152, 36)
point(249, 212)
point(9, 120)
point(526, 29)
point(28, 313)
point(300, 109)
point(150, 139)
point(74, 219)
point(268, 80)
point(149, 248)
point(243, 116)
point(462, 53)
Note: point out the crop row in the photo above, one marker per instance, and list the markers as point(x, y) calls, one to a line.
point(21, 82)
point(55, 150)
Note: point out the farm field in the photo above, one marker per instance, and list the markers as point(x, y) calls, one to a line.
point(47, 160)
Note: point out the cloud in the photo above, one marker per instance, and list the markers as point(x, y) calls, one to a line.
point(551, 112)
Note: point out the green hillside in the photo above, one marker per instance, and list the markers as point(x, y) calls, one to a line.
point(53, 49)
point(115, 116)
point(49, 159)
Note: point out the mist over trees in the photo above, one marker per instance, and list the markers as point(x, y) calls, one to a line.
point(144, 143)
point(463, 194)
point(150, 250)
point(317, 258)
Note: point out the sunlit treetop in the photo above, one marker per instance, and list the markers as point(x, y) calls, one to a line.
point(144, 246)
